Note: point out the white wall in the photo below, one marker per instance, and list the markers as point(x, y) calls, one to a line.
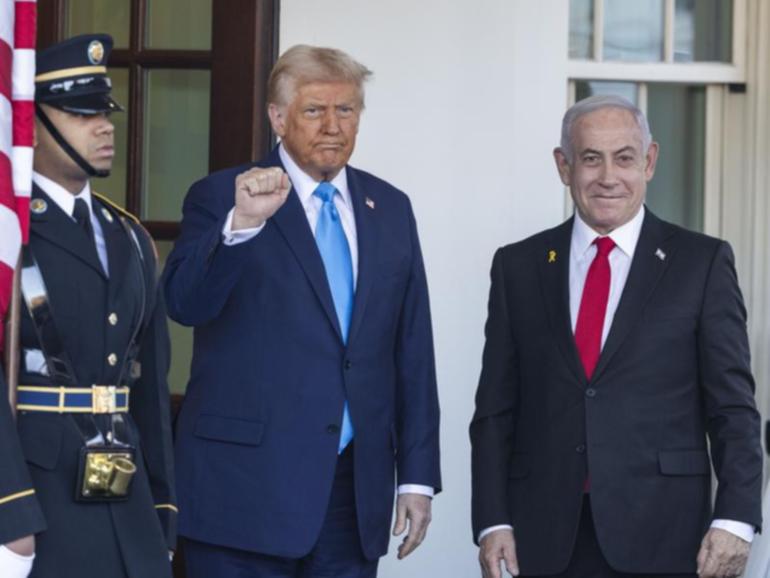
point(462, 113)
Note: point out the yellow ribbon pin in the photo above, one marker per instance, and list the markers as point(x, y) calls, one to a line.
point(552, 256)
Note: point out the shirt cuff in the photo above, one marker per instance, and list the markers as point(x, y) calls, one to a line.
point(416, 489)
point(13, 565)
point(491, 529)
point(230, 237)
point(741, 529)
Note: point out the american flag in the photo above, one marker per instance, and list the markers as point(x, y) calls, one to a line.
point(17, 113)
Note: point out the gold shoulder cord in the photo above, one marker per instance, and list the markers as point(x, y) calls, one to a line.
point(130, 216)
point(121, 211)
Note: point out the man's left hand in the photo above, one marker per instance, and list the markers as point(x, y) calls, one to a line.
point(722, 554)
point(416, 509)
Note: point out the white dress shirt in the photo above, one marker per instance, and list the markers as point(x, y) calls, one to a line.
point(304, 185)
point(582, 253)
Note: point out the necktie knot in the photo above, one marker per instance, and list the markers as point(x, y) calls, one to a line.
point(604, 245)
point(325, 191)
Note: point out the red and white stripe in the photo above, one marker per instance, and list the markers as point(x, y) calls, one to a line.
point(17, 91)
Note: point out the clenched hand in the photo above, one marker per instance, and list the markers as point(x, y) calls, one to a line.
point(259, 193)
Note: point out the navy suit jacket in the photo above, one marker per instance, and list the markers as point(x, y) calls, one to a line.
point(671, 395)
point(258, 432)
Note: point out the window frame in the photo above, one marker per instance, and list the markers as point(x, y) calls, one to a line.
point(667, 70)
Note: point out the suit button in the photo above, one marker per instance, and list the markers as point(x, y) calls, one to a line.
point(113, 319)
point(348, 364)
point(581, 449)
point(590, 392)
point(112, 359)
point(333, 429)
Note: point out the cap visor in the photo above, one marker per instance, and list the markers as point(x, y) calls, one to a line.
point(86, 104)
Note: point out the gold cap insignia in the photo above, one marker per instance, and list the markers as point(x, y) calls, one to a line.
point(95, 52)
point(107, 215)
point(38, 206)
point(552, 256)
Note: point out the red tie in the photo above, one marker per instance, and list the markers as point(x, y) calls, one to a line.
point(593, 306)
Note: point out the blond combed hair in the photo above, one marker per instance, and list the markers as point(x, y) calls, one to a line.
point(303, 64)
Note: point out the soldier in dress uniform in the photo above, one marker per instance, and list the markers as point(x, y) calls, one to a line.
point(92, 402)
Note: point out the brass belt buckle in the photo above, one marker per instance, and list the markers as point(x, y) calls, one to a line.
point(104, 398)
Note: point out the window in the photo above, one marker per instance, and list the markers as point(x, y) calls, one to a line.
point(674, 59)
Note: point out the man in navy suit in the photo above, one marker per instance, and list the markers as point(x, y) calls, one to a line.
point(313, 383)
point(616, 372)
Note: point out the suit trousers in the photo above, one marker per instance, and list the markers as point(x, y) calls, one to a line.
point(587, 560)
point(336, 554)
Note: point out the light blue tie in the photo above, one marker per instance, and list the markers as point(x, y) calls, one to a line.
point(335, 252)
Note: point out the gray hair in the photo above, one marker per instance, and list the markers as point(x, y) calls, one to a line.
point(592, 104)
point(303, 64)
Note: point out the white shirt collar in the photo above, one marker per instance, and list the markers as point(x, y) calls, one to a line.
point(304, 184)
point(62, 196)
point(625, 237)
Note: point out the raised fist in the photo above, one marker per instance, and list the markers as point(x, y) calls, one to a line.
point(259, 193)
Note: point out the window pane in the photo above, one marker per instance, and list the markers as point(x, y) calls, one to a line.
point(703, 30)
point(114, 186)
point(179, 24)
point(91, 16)
point(581, 28)
point(677, 115)
point(633, 31)
point(181, 339)
point(176, 139)
point(586, 88)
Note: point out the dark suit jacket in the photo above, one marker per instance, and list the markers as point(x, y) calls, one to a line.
point(90, 540)
point(20, 513)
point(673, 376)
point(258, 432)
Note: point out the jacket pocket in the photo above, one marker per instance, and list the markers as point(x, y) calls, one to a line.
point(229, 430)
point(40, 438)
point(519, 466)
point(684, 463)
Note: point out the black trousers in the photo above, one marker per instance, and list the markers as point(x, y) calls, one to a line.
point(587, 559)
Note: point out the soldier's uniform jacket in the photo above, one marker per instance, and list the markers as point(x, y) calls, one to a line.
point(96, 316)
point(20, 513)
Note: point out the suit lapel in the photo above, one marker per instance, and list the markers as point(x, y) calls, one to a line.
point(366, 231)
point(646, 270)
point(58, 228)
point(291, 222)
point(554, 274)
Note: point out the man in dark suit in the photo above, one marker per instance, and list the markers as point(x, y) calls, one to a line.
point(92, 402)
point(313, 382)
point(616, 364)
